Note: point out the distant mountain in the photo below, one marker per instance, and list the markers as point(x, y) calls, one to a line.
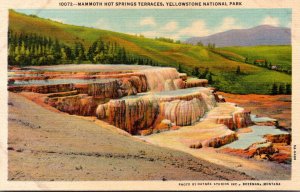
point(260, 35)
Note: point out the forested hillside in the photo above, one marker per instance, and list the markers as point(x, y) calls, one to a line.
point(39, 41)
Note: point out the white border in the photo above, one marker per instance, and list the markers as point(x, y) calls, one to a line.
point(292, 184)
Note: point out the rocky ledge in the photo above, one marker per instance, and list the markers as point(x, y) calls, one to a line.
point(138, 99)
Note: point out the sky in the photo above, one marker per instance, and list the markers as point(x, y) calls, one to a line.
point(178, 24)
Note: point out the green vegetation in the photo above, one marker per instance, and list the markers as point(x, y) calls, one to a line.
point(281, 89)
point(277, 57)
point(31, 49)
point(140, 50)
point(168, 40)
point(238, 70)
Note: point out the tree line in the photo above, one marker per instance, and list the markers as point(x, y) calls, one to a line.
point(33, 49)
point(168, 40)
point(267, 64)
point(206, 74)
point(281, 89)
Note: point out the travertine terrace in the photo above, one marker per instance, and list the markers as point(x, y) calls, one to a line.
point(141, 100)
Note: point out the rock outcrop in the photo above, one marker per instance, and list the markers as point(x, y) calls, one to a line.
point(231, 116)
point(75, 104)
point(110, 88)
point(226, 120)
point(279, 152)
point(194, 82)
point(131, 115)
point(183, 112)
point(242, 118)
point(43, 88)
point(136, 113)
point(280, 138)
point(221, 140)
point(161, 78)
point(133, 98)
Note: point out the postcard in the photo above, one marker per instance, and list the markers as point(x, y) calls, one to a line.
point(149, 95)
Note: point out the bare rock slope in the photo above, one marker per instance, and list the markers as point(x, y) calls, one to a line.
point(45, 145)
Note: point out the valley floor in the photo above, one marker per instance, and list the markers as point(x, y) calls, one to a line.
point(46, 145)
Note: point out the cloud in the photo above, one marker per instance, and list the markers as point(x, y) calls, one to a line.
point(171, 30)
point(269, 20)
point(148, 21)
point(151, 34)
point(170, 26)
point(197, 28)
point(154, 34)
point(58, 20)
point(101, 24)
point(166, 30)
point(228, 23)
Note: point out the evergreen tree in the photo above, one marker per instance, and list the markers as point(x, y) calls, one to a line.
point(209, 78)
point(203, 75)
point(238, 70)
point(288, 89)
point(33, 49)
point(180, 68)
point(281, 89)
point(274, 89)
point(196, 72)
point(266, 64)
point(200, 44)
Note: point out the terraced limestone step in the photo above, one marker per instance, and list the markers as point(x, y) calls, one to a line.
point(146, 111)
point(210, 132)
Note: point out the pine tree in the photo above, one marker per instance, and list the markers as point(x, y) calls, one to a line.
point(196, 72)
point(266, 64)
point(200, 44)
point(281, 89)
point(32, 49)
point(180, 68)
point(288, 89)
point(203, 75)
point(238, 70)
point(209, 78)
point(274, 89)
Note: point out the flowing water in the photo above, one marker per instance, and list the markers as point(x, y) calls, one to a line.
point(254, 118)
point(180, 92)
point(158, 78)
point(58, 81)
point(247, 139)
point(167, 94)
point(161, 79)
point(90, 68)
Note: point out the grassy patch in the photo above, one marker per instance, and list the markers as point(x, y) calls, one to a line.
point(279, 55)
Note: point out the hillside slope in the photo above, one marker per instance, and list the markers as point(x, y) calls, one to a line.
point(276, 55)
point(166, 54)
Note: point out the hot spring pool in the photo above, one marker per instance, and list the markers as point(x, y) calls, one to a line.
point(247, 139)
point(58, 81)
